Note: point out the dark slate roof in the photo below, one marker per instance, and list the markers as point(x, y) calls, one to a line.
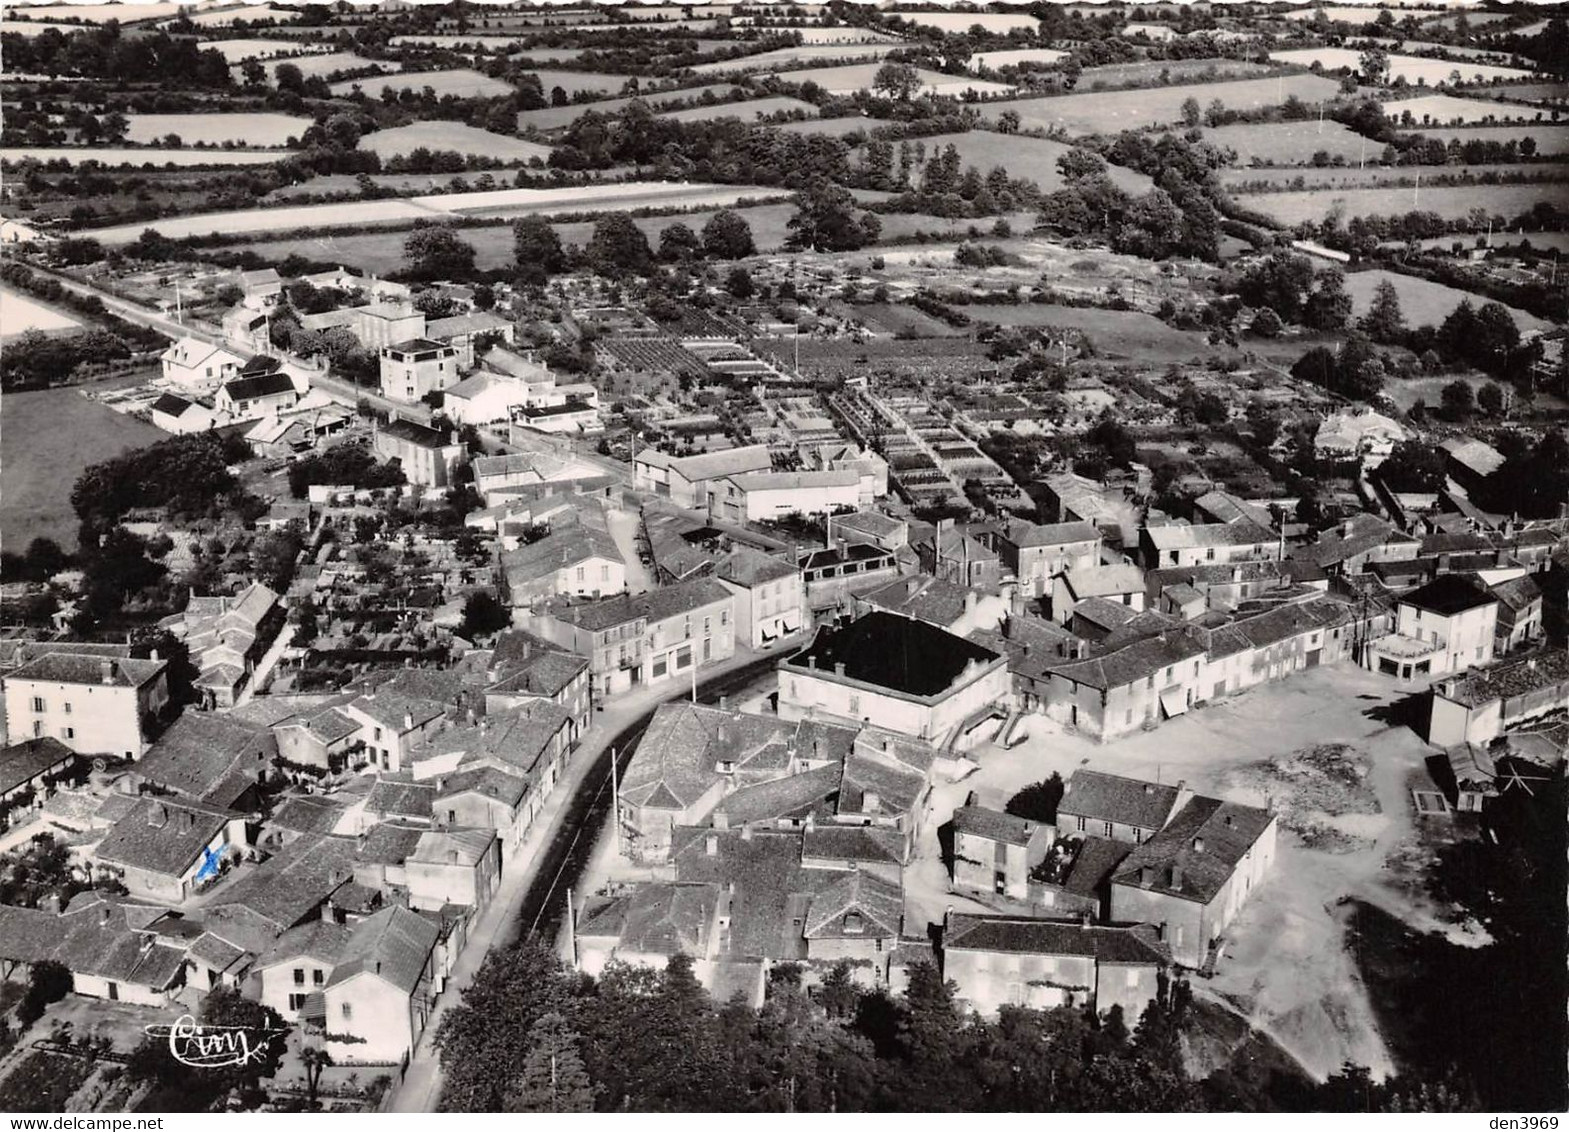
point(1097, 860)
point(1448, 595)
point(201, 750)
point(659, 918)
point(170, 404)
point(291, 886)
point(162, 835)
point(394, 944)
point(86, 668)
point(1106, 943)
point(308, 813)
point(864, 844)
point(993, 825)
point(494, 782)
point(655, 605)
point(392, 797)
point(1111, 797)
point(1508, 677)
point(22, 762)
point(744, 566)
point(416, 434)
point(1197, 852)
point(856, 905)
point(893, 652)
point(262, 385)
point(318, 939)
point(783, 797)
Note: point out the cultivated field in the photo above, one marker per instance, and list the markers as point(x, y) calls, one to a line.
point(465, 139)
point(833, 127)
point(1290, 143)
point(1412, 68)
point(1447, 110)
point(1175, 70)
point(150, 156)
point(1034, 159)
point(803, 56)
point(460, 82)
point(1424, 303)
point(19, 313)
point(217, 129)
point(1044, 56)
point(251, 14)
point(29, 28)
point(1351, 177)
point(1315, 205)
point(580, 82)
point(559, 117)
point(462, 42)
point(1525, 92)
point(844, 35)
point(1551, 140)
point(102, 13)
point(238, 50)
point(999, 22)
point(49, 437)
point(320, 66)
point(1475, 19)
point(1345, 15)
point(1109, 112)
point(1128, 334)
point(855, 77)
point(747, 110)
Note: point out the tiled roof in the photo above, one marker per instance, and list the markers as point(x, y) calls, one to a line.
point(417, 434)
point(857, 905)
point(1052, 534)
point(560, 549)
point(394, 944)
point(515, 739)
point(201, 750)
point(1517, 593)
point(1449, 594)
point(162, 835)
point(795, 481)
point(438, 846)
point(795, 795)
point(655, 605)
point(716, 465)
point(1113, 798)
point(895, 775)
point(1106, 943)
point(393, 797)
point(505, 786)
point(261, 385)
point(1197, 852)
point(22, 762)
point(308, 813)
point(678, 754)
point(542, 674)
point(322, 940)
point(861, 844)
point(290, 886)
point(993, 825)
point(1137, 661)
point(1176, 536)
point(84, 668)
point(388, 843)
point(1102, 581)
point(398, 712)
point(1504, 679)
point(772, 891)
point(1097, 859)
point(658, 919)
point(936, 601)
point(873, 523)
point(747, 567)
point(893, 652)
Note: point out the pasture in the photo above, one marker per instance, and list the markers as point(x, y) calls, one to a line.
point(1344, 15)
point(1126, 334)
point(20, 313)
point(833, 127)
point(1447, 110)
point(1315, 205)
point(1412, 68)
point(217, 129)
point(239, 50)
point(1034, 159)
point(1475, 19)
point(747, 110)
point(29, 28)
point(844, 35)
point(103, 13)
point(226, 17)
point(157, 158)
point(804, 56)
point(457, 136)
point(1174, 70)
point(1351, 177)
point(854, 77)
point(1424, 303)
point(999, 22)
point(320, 66)
point(1525, 92)
point(1551, 140)
point(580, 82)
point(1290, 143)
point(463, 42)
point(1112, 111)
point(461, 82)
point(1019, 56)
point(559, 117)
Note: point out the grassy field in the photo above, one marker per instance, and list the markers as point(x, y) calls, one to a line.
point(1034, 159)
point(580, 82)
point(804, 56)
point(460, 42)
point(1412, 68)
point(844, 35)
point(1109, 112)
point(747, 110)
point(1424, 303)
point(999, 22)
point(1016, 56)
point(1447, 110)
point(452, 136)
point(150, 156)
point(1176, 70)
point(1128, 334)
point(48, 438)
point(833, 127)
point(1290, 143)
point(102, 13)
point(1313, 205)
point(29, 28)
point(19, 314)
point(1524, 92)
point(559, 117)
point(1350, 177)
point(226, 18)
point(854, 77)
point(238, 50)
point(1551, 140)
point(461, 82)
point(216, 129)
point(1344, 15)
point(320, 66)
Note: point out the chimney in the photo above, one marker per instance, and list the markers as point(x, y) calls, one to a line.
point(1146, 876)
point(158, 816)
point(870, 802)
point(1149, 788)
point(1176, 876)
point(1345, 529)
point(1198, 845)
point(721, 820)
point(106, 671)
point(746, 833)
point(724, 703)
point(838, 668)
point(153, 655)
point(711, 845)
point(1084, 920)
point(408, 721)
point(969, 601)
point(104, 913)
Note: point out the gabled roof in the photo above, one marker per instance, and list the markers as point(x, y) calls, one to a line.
point(716, 465)
point(792, 796)
point(795, 481)
point(171, 405)
point(1449, 594)
point(1504, 679)
point(87, 668)
point(515, 739)
point(322, 940)
point(858, 905)
point(1113, 798)
point(1015, 935)
point(886, 767)
point(201, 750)
point(162, 835)
point(1138, 660)
point(262, 385)
point(417, 434)
point(392, 797)
point(657, 919)
point(22, 762)
point(563, 548)
point(994, 825)
point(289, 887)
point(936, 601)
point(655, 605)
point(1180, 536)
point(309, 813)
point(872, 523)
point(394, 945)
point(1195, 855)
point(396, 711)
point(1051, 534)
point(465, 847)
point(744, 566)
point(1102, 581)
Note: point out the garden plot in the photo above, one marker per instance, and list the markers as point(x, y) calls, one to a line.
point(998, 22)
point(150, 156)
point(457, 136)
point(460, 82)
point(239, 50)
point(1423, 302)
point(217, 129)
point(856, 77)
point(747, 110)
point(804, 56)
point(1551, 140)
point(1033, 159)
point(320, 66)
point(1290, 143)
point(559, 117)
point(1451, 203)
point(1019, 56)
point(1448, 110)
point(1412, 68)
point(1112, 111)
point(1116, 334)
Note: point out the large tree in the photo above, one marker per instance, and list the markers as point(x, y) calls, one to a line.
point(618, 247)
point(728, 236)
point(437, 253)
point(537, 247)
point(553, 1078)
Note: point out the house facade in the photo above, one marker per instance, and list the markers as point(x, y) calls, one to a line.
point(95, 705)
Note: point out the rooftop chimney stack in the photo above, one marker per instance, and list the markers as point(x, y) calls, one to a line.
point(106, 671)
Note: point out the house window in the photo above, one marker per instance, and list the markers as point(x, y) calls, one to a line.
point(853, 923)
point(378, 735)
point(1080, 825)
point(684, 656)
point(299, 976)
point(38, 703)
point(347, 1011)
point(69, 733)
point(296, 1001)
point(1108, 829)
point(855, 705)
point(661, 666)
point(68, 707)
point(318, 977)
point(580, 573)
point(38, 728)
point(1132, 978)
point(452, 817)
point(708, 624)
point(724, 617)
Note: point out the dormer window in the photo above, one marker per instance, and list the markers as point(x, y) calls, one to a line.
point(854, 923)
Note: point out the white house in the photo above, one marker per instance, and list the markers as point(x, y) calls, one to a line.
point(191, 362)
point(96, 705)
point(750, 496)
point(383, 988)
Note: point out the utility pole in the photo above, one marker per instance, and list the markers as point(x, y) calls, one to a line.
point(571, 943)
point(615, 803)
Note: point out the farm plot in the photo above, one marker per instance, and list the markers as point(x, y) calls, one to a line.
point(1551, 140)
point(998, 22)
point(1034, 159)
point(137, 157)
point(1345, 15)
point(844, 35)
point(1315, 205)
point(1175, 70)
point(1423, 302)
point(580, 82)
point(29, 28)
point(251, 14)
point(1547, 93)
point(364, 212)
point(559, 117)
point(1412, 68)
point(903, 227)
point(19, 314)
point(1289, 143)
point(804, 56)
point(217, 129)
point(747, 110)
point(1017, 57)
point(332, 63)
point(833, 127)
point(1351, 177)
point(238, 50)
point(1112, 111)
point(1130, 334)
point(1447, 110)
point(102, 13)
point(1475, 19)
point(460, 82)
point(463, 42)
point(856, 77)
point(457, 136)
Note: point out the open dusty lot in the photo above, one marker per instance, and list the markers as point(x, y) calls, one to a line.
point(1286, 968)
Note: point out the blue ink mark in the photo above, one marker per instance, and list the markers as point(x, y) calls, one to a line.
point(209, 866)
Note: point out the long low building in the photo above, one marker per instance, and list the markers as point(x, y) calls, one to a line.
point(1489, 700)
point(772, 495)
